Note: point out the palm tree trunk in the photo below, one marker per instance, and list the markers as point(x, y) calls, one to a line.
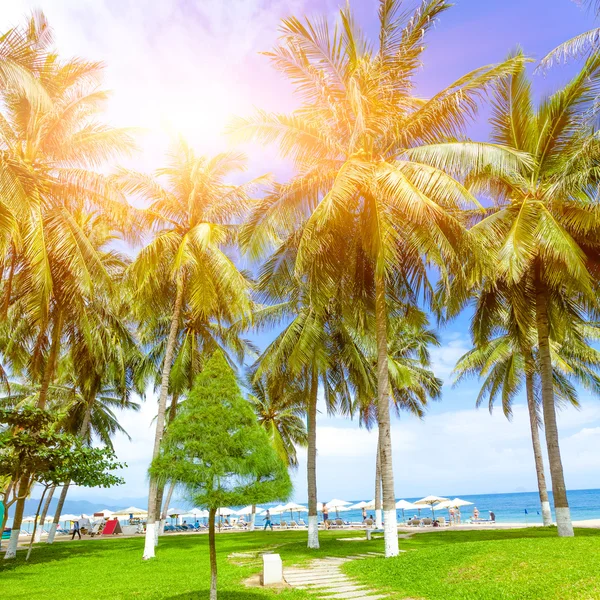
point(165, 507)
point(383, 415)
point(537, 446)
point(253, 518)
point(213, 554)
point(559, 490)
point(11, 550)
point(153, 509)
point(35, 523)
point(378, 520)
point(52, 358)
point(9, 281)
point(38, 536)
point(63, 494)
point(311, 468)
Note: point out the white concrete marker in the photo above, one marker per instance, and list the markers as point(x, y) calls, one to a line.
point(272, 569)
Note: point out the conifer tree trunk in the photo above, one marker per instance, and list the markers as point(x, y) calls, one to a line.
point(537, 446)
point(213, 553)
point(559, 490)
point(383, 415)
point(313, 519)
point(153, 509)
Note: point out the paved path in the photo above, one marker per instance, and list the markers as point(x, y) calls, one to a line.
point(325, 579)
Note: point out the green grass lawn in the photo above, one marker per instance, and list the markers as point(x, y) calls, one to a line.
point(98, 569)
point(494, 565)
point(444, 565)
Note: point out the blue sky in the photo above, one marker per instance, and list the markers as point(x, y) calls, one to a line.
point(187, 66)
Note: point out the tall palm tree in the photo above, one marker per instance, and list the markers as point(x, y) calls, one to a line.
point(412, 383)
point(506, 362)
point(185, 266)
point(543, 232)
point(374, 162)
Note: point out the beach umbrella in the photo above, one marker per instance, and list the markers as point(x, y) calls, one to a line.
point(291, 506)
point(430, 501)
point(247, 510)
point(405, 505)
point(337, 505)
point(359, 505)
point(131, 510)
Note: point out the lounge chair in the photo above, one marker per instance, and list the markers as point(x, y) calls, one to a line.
point(301, 523)
point(339, 523)
point(368, 523)
point(427, 521)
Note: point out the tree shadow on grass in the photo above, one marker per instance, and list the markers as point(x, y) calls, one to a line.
point(223, 595)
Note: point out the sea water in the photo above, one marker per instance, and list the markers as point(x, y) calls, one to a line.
point(519, 507)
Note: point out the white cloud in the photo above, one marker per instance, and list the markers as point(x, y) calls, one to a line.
point(444, 358)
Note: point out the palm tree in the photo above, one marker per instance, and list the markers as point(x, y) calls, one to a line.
point(374, 169)
point(579, 46)
point(542, 234)
point(412, 383)
point(506, 362)
point(184, 267)
point(280, 405)
point(279, 408)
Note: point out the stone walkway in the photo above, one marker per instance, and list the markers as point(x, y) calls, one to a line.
point(325, 579)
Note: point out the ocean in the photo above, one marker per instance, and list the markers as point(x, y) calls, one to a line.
point(508, 508)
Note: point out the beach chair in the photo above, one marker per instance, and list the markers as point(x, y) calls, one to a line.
point(339, 523)
point(293, 525)
point(368, 523)
point(284, 525)
point(427, 521)
point(301, 523)
point(442, 521)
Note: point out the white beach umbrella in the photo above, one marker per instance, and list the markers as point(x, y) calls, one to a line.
point(430, 501)
point(337, 505)
point(405, 505)
point(292, 506)
point(224, 511)
point(457, 503)
point(131, 510)
point(247, 510)
point(29, 519)
point(359, 505)
point(172, 512)
point(69, 517)
point(105, 513)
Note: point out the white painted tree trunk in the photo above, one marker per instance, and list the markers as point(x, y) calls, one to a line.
point(149, 542)
point(153, 508)
point(546, 514)
point(161, 527)
point(11, 550)
point(563, 521)
point(390, 534)
point(313, 531)
point(52, 533)
point(156, 531)
point(253, 518)
point(378, 519)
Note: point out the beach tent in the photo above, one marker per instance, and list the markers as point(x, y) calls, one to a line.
point(430, 501)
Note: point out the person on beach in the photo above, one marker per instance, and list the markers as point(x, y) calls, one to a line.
point(364, 514)
point(76, 530)
point(267, 520)
point(457, 516)
point(475, 513)
point(451, 515)
point(492, 516)
point(325, 516)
